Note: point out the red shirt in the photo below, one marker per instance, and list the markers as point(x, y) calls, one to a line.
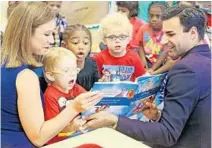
point(123, 68)
point(55, 101)
point(136, 23)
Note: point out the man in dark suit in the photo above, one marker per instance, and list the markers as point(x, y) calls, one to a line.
point(185, 121)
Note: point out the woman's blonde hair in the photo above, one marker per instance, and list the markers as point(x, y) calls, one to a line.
point(115, 20)
point(22, 23)
point(11, 8)
point(50, 60)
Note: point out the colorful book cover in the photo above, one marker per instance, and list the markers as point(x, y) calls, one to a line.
point(117, 97)
point(127, 98)
point(151, 89)
point(118, 72)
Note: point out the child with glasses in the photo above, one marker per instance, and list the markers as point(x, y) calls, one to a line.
point(60, 70)
point(119, 62)
point(130, 9)
point(77, 38)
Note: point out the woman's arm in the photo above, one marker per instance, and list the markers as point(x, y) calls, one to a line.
point(31, 112)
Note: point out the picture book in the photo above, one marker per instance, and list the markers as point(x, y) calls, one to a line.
point(127, 99)
point(117, 97)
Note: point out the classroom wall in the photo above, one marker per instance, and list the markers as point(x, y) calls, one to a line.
point(3, 18)
point(88, 13)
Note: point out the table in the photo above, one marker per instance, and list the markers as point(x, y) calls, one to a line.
point(105, 137)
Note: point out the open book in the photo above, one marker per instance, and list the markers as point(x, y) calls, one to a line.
point(127, 98)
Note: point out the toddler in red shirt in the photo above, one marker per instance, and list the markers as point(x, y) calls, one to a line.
point(60, 69)
point(117, 63)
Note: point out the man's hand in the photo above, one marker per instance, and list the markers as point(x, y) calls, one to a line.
point(151, 111)
point(101, 119)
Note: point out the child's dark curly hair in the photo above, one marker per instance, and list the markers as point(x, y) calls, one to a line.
point(132, 6)
point(72, 28)
point(163, 5)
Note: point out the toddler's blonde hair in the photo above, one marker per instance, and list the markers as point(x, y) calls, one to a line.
point(115, 20)
point(50, 60)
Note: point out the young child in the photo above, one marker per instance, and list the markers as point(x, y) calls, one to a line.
point(149, 39)
point(122, 63)
point(163, 59)
point(61, 22)
point(77, 38)
point(130, 9)
point(60, 69)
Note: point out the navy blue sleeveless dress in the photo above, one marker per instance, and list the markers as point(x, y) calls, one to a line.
point(12, 133)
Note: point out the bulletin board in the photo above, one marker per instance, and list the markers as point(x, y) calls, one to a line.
point(88, 13)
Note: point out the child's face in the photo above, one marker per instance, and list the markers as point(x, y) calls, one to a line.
point(65, 74)
point(79, 43)
point(155, 14)
point(55, 5)
point(124, 11)
point(117, 40)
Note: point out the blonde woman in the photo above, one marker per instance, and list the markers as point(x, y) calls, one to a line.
point(29, 35)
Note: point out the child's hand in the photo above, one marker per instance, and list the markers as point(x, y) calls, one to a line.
point(85, 101)
point(103, 79)
point(145, 65)
point(151, 71)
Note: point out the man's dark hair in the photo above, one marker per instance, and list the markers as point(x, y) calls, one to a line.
point(162, 4)
point(192, 3)
point(189, 17)
point(132, 6)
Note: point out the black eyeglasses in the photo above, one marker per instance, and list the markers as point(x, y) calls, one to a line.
point(114, 37)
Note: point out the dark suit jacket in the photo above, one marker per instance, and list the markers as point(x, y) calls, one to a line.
point(186, 118)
